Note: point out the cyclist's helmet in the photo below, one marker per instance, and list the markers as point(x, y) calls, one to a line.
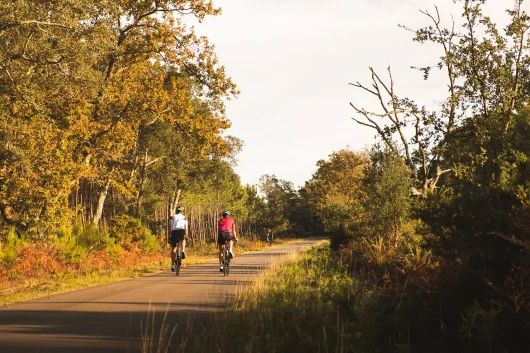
point(180, 209)
point(226, 213)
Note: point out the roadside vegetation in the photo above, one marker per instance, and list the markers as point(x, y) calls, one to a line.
point(303, 304)
point(433, 219)
point(85, 257)
point(429, 228)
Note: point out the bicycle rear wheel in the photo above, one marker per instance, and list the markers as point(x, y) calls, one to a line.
point(178, 261)
point(226, 260)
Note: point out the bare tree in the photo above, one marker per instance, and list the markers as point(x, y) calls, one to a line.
point(423, 145)
point(397, 114)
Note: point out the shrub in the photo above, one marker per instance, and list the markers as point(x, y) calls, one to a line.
point(150, 242)
point(127, 230)
point(88, 235)
point(9, 252)
point(113, 250)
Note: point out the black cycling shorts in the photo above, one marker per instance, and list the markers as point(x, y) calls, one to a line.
point(222, 236)
point(177, 235)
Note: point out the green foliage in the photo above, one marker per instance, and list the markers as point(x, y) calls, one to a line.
point(88, 235)
point(77, 254)
point(150, 242)
point(277, 193)
point(10, 248)
point(75, 243)
point(477, 322)
point(335, 193)
point(113, 249)
point(283, 211)
point(388, 202)
point(128, 230)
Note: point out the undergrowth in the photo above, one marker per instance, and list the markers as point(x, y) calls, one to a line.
point(306, 303)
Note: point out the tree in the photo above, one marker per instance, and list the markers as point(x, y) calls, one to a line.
point(80, 84)
point(487, 80)
point(388, 203)
point(335, 193)
point(282, 202)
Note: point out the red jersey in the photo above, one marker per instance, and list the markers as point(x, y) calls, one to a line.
point(226, 224)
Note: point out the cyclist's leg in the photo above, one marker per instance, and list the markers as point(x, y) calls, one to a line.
point(221, 252)
point(220, 247)
point(231, 244)
point(173, 243)
point(172, 256)
point(221, 257)
point(182, 242)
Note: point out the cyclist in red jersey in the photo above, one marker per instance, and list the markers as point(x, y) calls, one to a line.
point(227, 231)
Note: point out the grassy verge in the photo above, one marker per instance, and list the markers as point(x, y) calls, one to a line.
point(26, 289)
point(306, 303)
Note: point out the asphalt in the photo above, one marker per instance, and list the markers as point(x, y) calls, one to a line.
point(127, 316)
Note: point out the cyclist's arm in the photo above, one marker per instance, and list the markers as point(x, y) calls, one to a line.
point(186, 230)
point(234, 229)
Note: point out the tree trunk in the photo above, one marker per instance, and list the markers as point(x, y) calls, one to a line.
point(141, 186)
point(171, 206)
point(174, 203)
point(101, 202)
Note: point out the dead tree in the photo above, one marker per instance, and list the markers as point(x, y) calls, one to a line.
point(396, 115)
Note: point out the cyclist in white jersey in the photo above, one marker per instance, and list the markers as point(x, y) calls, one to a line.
point(179, 233)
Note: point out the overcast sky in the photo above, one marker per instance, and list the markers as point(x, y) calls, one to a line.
point(293, 60)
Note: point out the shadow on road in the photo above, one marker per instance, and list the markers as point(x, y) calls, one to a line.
point(102, 331)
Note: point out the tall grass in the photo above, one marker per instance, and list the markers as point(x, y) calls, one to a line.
point(306, 303)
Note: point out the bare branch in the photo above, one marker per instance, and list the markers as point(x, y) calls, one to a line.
point(365, 124)
point(357, 84)
point(421, 149)
point(375, 126)
point(44, 24)
point(154, 161)
point(374, 74)
point(398, 124)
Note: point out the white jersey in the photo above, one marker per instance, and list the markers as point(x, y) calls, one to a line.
point(178, 221)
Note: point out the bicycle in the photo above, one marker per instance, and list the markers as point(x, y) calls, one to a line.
point(226, 257)
point(178, 258)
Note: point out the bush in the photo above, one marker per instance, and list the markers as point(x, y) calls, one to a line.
point(88, 235)
point(9, 252)
point(127, 231)
point(113, 250)
point(150, 242)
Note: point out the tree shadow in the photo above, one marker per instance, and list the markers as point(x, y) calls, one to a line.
point(28, 331)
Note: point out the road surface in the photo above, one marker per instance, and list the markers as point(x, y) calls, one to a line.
point(113, 317)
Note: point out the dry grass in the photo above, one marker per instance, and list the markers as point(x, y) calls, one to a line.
point(296, 306)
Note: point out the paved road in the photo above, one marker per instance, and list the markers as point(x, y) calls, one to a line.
point(112, 317)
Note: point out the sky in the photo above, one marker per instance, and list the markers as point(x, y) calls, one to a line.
point(293, 61)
